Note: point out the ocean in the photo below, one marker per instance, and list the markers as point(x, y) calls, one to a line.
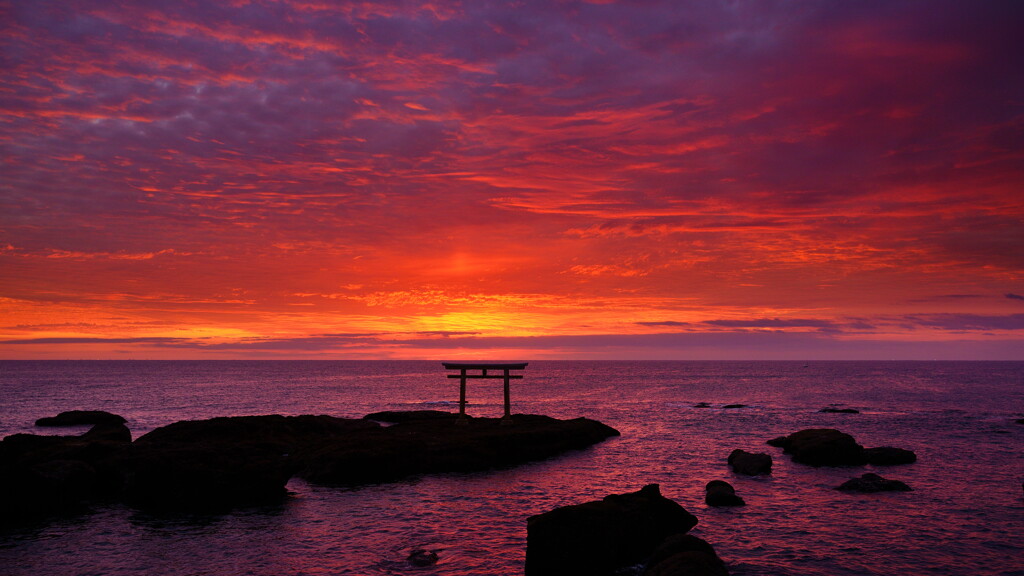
point(965, 515)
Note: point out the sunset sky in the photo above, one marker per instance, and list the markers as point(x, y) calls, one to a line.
point(512, 180)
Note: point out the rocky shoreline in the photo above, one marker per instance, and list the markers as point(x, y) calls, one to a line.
point(214, 465)
point(217, 464)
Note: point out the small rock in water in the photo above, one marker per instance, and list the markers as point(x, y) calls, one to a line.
point(81, 418)
point(721, 493)
point(834, 410)
point(889, 456)
point(822, 447)
point(870, 482)
point(702, 405)
point(735, 406)
point(749, 463)
point(421, 557)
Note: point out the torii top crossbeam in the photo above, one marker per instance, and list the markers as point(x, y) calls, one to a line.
point(466, 372)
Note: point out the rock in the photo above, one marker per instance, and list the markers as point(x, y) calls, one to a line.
point(217, 464)
point(225, 462)
point(889, 456)
point(685, 555)
point(394, 417)
point(780, 442)
point(81, 418)
point(41, 475)
point(721, 493)
point(873, 483)
point(221, 463)
point(433, 445)
point(1020, 420)
point(824, 447)
point(597, 538)
point(833, 410)
point(749, 463)
point(702, 405)
point(735, 406)
point(420, 557)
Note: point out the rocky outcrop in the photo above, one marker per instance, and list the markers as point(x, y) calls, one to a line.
point(81, 418)
point(822, 447)
point(42, 475)
point(220, 463)
point(889, 456)
point(721, 493)
point(750, 463)
point(597, 538)
point(829, 447)
point(685, 555)
point(869, 482)
point(432, 444)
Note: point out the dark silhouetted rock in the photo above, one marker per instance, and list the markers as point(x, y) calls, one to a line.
point(1020, 420)
point(873, 483)
point(420, 557)
point(824, 447)
point(702, 405)
point(220, 463)
point(81, 418)
point(395, 417)
point(435, 444)
point(214, 465)
point(889, 456)
point(685, 555)
point(780, 442)
point(833, 410)
point(750, 463)
point(721, 493)
point(224, 462)
point(42, 475)
point(735, 406)
point(597, 538)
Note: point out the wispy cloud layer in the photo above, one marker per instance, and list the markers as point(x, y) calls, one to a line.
point(223, 176)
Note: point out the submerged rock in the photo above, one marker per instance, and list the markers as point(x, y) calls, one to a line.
point(685, 555)
point(870, 482)
point(597, 538)
point(420, 557)
point(834, 410)
point(731, 406)
point(750, 463)
point(889, 456)
point(81, 418)
point(721, 493)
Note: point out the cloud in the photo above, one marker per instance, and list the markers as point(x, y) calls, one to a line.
point(773, 323)
point(965, 322)
point(1014, 296)
point(202, 164)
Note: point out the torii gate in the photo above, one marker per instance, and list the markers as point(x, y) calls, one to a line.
point(465, 367)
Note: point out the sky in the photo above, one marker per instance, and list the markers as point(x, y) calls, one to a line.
point(538, 179)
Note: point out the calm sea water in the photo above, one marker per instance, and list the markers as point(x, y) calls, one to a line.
point(964, 517)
